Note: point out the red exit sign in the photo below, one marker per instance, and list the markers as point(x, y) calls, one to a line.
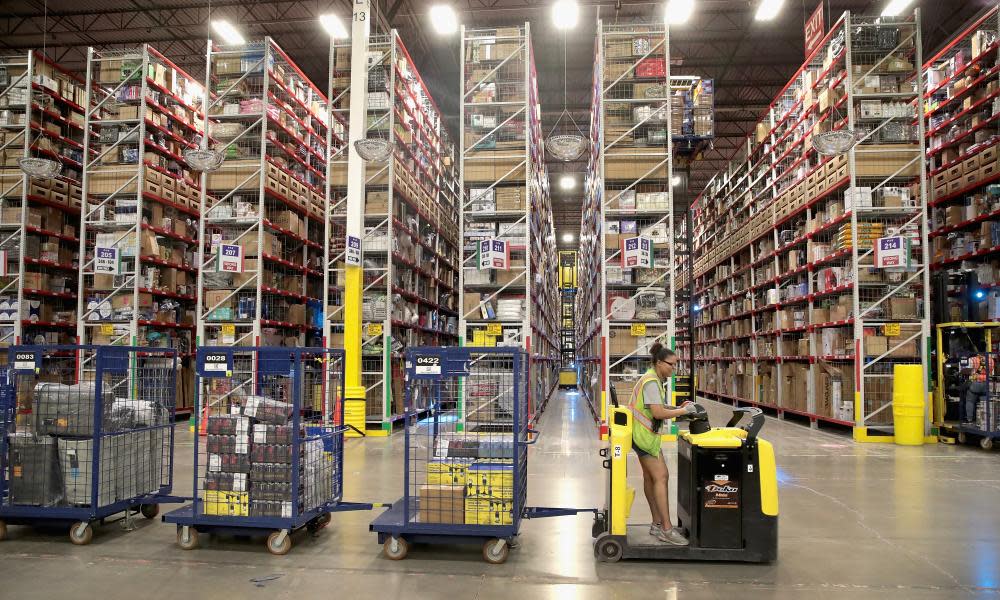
point(815, 29)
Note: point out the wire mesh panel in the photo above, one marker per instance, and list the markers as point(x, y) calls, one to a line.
point(272, 453)
point(98, 439)
point(466, 469)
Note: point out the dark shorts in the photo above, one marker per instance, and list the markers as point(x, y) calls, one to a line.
point(640, 451)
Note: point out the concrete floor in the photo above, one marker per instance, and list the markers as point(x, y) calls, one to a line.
point(857, 521)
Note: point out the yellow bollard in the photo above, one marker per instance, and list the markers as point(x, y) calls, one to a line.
point(908, 404)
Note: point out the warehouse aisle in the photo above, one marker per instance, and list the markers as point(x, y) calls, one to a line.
point(856, 521)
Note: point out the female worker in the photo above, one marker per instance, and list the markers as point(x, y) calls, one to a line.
point(649, 409)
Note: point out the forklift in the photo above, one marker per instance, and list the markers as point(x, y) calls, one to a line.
point(727, 497)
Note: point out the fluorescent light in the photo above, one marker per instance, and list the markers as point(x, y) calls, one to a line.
point(565, 14)
point(567, 238)
point(334, 26)
point(230, 35)
point(567, 182)
point(444, 19)
point(895, 8)
point(675, 181)
point(679, 11)
point(768, 9)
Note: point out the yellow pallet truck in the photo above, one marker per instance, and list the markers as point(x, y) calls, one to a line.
point(727, 497)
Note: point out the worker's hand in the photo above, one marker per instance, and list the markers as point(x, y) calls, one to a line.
point(690, 408)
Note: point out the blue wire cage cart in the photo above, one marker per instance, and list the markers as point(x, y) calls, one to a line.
point(271, 460)
point(86, 433)
point(466, 465)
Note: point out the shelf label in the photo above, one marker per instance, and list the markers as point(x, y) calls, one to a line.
point(352, 254)
point(890, 330)
point(494, 329)
point(107, 261)
point(228, 329)
point(230, 258)
point(638, 329)
point(493, 254)
point(637, 253)
point(892, 252)
point(374, 329)
point(107, 329)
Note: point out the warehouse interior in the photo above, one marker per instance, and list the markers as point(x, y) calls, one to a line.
point(377, 287)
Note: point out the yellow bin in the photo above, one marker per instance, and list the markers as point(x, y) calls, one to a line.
point(908, 406)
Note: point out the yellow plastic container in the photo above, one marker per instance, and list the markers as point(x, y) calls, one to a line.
point(908, 405)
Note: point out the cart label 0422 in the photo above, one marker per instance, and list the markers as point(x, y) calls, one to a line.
point(428, 365)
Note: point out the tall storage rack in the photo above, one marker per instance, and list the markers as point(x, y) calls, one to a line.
point(505, 190)
point(137, 239)
point(625, 309)
point(963, 131)
point(41, 114)
point(262, 231)
point(794, 316)
point(410, 243)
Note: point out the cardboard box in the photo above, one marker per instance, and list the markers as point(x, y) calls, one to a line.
point(441, 504)
point(903, 308)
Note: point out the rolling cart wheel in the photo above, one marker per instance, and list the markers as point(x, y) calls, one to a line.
point(395, 548)
point(189, 542)
point(279, 548)
point(324, 520)
point(81, 533)
point(3, 530)
point(962, 438)
point(496, 551)
point(150, 511)
point(986, 443)
point(608, 549)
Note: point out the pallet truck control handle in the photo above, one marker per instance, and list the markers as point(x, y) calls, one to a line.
point(756, 420)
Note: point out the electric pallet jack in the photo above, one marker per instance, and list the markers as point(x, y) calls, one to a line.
point(727, 497)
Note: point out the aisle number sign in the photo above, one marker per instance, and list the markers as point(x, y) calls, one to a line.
point(892, 252)
point(230, 258)
point(352, 254)
point(890, 330)
point(638, 329)
point(637, 253)
point(493, 254)
point(107, 261)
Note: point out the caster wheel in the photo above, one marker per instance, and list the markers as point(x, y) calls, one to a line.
point(986, 443)
point(3, 531)
point(279, 549)
point(188, 542)
point(396, 548)
point(150, 511)
point(608, 549)
point(81, 533)
point(962, 438)
point(496, 551)
point(324, 520)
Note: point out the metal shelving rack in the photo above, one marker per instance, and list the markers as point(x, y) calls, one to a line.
point(505, 197)
point(961, 101)
point(264, 208)
point(629, 195)
point(41, 114)
point(794, 316)
point(409, 248)
point(137, 238)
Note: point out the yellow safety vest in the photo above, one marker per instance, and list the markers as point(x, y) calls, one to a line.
point(643, 435)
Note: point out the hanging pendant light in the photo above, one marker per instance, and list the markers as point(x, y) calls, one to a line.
point(36, 166)
point(373, 149)
point(566, 146)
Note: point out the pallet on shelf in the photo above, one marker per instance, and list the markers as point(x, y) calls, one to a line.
point(505, 199)
point(795, 313)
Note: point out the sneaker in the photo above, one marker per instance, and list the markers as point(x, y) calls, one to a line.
point(672, 536)
point(655, 530)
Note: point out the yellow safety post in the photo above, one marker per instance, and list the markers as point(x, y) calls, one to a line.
point(908, 405)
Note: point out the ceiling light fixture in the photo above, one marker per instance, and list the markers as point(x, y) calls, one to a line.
point(567, 238)
point(567, 182)
point(334, 27)
point(768, 9)
point(895, 8)
point(443, 19)
point(230, 35)
point(678, 11)
point(565, 14)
